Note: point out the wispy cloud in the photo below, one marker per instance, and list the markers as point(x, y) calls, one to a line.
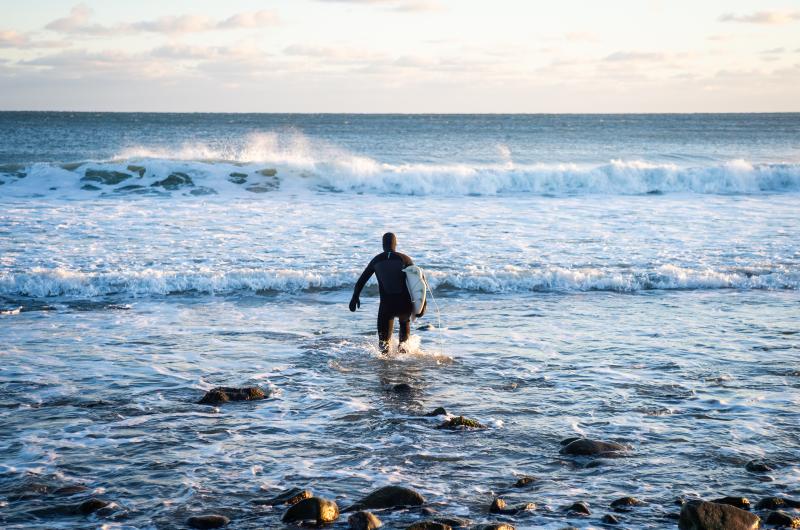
point(763, 17)
point(15, 39)
point(79, 22)
point(634, 57)
point(402, 6)
point(773, 51)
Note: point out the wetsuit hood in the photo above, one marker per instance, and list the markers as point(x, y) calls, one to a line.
point(389, 242)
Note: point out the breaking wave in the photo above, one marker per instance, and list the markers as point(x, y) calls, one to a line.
point(43, 283)
point(267, 164)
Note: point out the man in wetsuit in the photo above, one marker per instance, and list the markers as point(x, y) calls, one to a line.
point(395, 300)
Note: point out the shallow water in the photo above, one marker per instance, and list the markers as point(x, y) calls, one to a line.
point(652, 300)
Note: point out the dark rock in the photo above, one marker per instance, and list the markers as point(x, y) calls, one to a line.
point(579, 508)
point(524, 481)
point(438, 411)
point(71, 166)
point(128, 188)
point(317, 509)
point(755, 466)
point(90, 187)
point(626, 502)
point(739, 502)
point(460, 422)
point(286, 497)
point(428, 525)
point(388, 497)
point(609, 519)
point(203, 190)
point(208, 521)
point(455, 522)
point(783, 519)
point(137, 169)
point(567, 441)
point(269, 172)
point(104, 176)
point(702, 515)
point(70, 490)
point(260, 188)
point(91, 506)
point(363, 521)
point(772, 503)
point(402, 388)
point(496, 526)
point(237, 178)
point(498, 506)
point(587, 447)
point(174, 181)
point(427, 510)
point(223, 394)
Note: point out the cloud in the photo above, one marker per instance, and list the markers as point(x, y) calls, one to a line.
point(634, 57)
point(401, 6)
point(763, 17)
point(15, 39)
point(772, 51)
point(78, 22)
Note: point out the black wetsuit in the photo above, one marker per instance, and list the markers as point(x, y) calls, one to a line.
point(395, 300)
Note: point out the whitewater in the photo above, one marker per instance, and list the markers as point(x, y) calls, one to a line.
point(632, 278)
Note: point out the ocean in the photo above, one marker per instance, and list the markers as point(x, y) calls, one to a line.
point(627, 278)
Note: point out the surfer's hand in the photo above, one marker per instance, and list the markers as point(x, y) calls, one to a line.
point(354, 303)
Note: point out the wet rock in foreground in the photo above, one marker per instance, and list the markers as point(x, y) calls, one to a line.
point(140, 170)
point(238, 178)
point(626, 502)
point(388, 497)
point(174, 181)
point(499, 506)
point(783, 519)
point(104, 176)
point(224, 394)
point(702, 515)
point(207, 521)
point(363, 521)
point(287, 497)
point(579, 508)
point(455, 522)
point(524, 481)
point(609, 519)
point(772, 503)
point(460, 422)
point(739, 502)
point(317, 509)
point(496, 526)
point(92, 505)
point(756, 466)
point(587, 447)
point(429, 525)
point(438, 411)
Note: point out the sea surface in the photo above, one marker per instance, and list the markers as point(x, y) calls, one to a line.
point(628, 278)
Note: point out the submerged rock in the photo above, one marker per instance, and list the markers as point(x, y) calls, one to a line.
point(772, 503)
point(499, 506)
point(203, 190)
point(702, 515)
point(783, 519)
point(438, 411)
point(363, 521)
point(460, 422)
point(587, 447)
point(757, 466)
point(739, 502)
point(610, 519)
point(260, 188)
point(70, 490)
point(223, 394)
point(140, 170)
point(455, 522)
point(626, 502)
point(428, 525)
point(286, 497)
point(104, 176)
point(524, 481)
point(567, 441)
point(317, 509)
point(402, 388)
point(579, 508)
point(389, 497)
point(238, 178)
point(496, 526)
point(174, 181)
point(207, 521)
point(90, 187)
point(91, 506)
point(268, 172)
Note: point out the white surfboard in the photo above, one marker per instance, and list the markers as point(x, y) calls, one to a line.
point(417, 288)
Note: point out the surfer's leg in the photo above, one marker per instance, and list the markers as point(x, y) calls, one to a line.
point(405, 330)
point(385, 328)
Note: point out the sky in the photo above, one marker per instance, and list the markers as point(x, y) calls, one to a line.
point(467, 56)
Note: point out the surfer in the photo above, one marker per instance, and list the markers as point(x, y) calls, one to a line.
point(395, 299)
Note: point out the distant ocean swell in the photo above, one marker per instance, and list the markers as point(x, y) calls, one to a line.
point(266, 164)
point(43, 283)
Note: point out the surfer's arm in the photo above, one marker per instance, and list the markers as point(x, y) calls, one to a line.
point(362, 281)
